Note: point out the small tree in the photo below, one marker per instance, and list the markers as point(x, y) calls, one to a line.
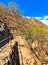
point(41, 34)
point(38, 33)
point(14, 8)
point(29, 35)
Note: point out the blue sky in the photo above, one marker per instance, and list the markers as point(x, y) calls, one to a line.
point(31, 8)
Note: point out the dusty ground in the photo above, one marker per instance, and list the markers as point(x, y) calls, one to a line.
point(26, 56)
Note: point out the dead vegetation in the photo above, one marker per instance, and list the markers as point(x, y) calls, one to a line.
point(33, 53)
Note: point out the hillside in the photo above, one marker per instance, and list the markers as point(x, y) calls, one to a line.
point(16, 22)
point(35, 53)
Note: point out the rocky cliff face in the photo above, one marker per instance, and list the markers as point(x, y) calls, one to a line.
point(17, 51)
point(17, 23)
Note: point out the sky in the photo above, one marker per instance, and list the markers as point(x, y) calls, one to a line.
point(32, 8)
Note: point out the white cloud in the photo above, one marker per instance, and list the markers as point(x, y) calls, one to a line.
point(38, 18)
point(27, 17)
point(44, 19)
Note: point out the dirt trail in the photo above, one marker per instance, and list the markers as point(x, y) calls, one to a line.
point(25, 56)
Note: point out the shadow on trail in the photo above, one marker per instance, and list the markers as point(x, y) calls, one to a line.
point(5, 34)
point(5, 41)
point(14, 57)
point(5, 37)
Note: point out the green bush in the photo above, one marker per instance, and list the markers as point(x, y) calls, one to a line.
point(38, 33)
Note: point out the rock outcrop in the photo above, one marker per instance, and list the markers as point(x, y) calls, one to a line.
point(17, 23)
point(9, 56)
point(17, 51)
